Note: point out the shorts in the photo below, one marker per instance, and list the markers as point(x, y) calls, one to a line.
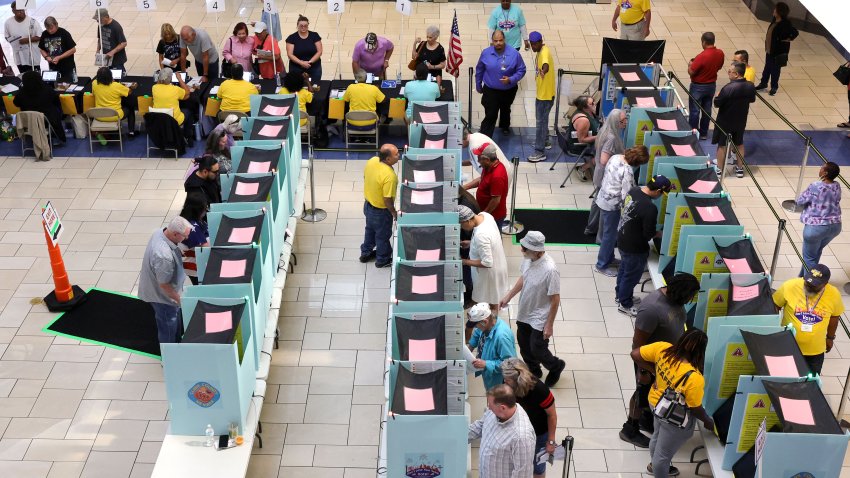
point(719, 138)
point(540, 444)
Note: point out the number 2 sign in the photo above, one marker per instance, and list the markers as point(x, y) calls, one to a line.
point(336, 7)
point(145, 5)
point(215, 6)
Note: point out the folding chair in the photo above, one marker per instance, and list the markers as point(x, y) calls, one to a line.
point(361, 116)
point(569, 146)
point(305, 129)
point(98, 126)
point(35, 116)
point(159, 138)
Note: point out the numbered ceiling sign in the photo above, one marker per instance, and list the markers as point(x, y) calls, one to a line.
point(215, 6)
point(403, 7)
point(98, 3)
point(25, 4)
point(146, 5)
point(335, 7)
point(269, 6)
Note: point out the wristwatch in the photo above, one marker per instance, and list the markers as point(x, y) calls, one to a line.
point(830, 337)
point(552, 442)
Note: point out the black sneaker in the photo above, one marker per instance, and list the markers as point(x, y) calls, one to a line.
point(673, 470)
point(647, 422)
point(555, 374)
point(367, 257)
point(761, 87)
point(381, 265)
point(629, 434)
point(772, 92)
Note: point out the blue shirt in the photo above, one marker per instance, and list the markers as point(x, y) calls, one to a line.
point(821, 204)
point(492, 67)
point(510, 22)
point(419, 90)
point(493, 347)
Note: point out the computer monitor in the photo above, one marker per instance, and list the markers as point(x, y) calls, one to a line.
point(117, 74)
point(247, 76)
point(174, 76)
point(50, 76)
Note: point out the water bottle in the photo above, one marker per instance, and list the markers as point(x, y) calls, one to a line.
point(210, 433)
point(74, 75)
point(398, 77)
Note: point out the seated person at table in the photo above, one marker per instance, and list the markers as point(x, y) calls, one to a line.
point(267, 51)
point(296, 83)
point(217, 148)
point(420, 89)
point(229, 127)
point(112, 94)
point(166, 95)
point(362, 96)
point(35, 95)
point(168, 47)
point(372, 55)
point(235, 93)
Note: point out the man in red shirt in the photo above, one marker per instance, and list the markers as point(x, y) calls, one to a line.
point(703, 71)
point(492, 192)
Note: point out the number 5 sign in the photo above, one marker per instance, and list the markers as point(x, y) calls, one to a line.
point(335, 7)
point(269, 6)
point(99, 3)
point(145, 5)
point(215, 6)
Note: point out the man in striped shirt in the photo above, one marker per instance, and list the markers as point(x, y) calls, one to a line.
point(507, 437)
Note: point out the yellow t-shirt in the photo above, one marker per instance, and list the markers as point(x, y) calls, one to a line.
point(235, 95)
point(545, 85)
point(304, 96)
point(811, 326)
point(109, 96)
point(750, 74)
point(633, 11)
point(363, 97)
point(668, 373)
point(379, 182)
point(169, 96)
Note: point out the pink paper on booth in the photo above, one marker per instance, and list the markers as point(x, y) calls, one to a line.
point(668, 125)
point(242, 235)
point(429, 117)
point(438, 144)
point(630, 76)
point(259, 166)
point(783, 366)
point(645, 101)
point(424, 284)
point(744, 292)
point(247, 189)
point(797, 411)
point(230, 269)
point(424, 176)
point(738, 266)
point(427, 255)
point(421, 350)
point(417, 400)
point(218, 321)
point(710, 214)
point(422, 197)
point(276, 110)
point(683, 149)
point(704, 187)
point(270, 130)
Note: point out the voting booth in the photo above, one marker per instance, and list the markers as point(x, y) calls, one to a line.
point(627, 85)
point(422, 242)
point(435, 112)
point(430, 167)
point(730, 295)
point(427, 198)
point(244, 228)
point(425, 335)
point(644, 120)
point(419, 281)
point(275, 106)
point(435, 136)
point(684, 144)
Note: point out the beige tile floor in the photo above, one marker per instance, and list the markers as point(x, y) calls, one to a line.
point(69, 409)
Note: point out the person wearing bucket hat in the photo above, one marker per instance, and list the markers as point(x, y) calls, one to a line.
point(486, 257)
point(539, 286)
point(812, 306)
point(491, 342)
point(372, 55)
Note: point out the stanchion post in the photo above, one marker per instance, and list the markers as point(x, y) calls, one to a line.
point(513, 228)
point(780, 231)
point(725, 160)
point(313, 214)
point(469, 110)
point(843, 403)
point(790, 205)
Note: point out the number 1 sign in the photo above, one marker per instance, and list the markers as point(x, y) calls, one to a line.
point(336, 7)
point(403, 7)
point(215, 6)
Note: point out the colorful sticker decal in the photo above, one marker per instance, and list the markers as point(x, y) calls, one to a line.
point(204, 395)
point(423, 465)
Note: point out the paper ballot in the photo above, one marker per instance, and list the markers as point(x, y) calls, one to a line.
point(467, 355)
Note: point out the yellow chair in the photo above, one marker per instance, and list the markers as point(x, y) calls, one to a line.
point(69, 105)
point(8, 102)
point(145, 103)
point(212, 107)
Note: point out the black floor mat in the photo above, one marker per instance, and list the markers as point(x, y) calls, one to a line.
point(111, 319)
point(562, 227)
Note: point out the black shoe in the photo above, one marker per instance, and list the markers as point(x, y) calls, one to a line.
point(629, 434)
point(538, 372)
point(506, 131)
point(761, 87)
point(772, 92)
point(381, 265)
point(555, 374)
point(673, 470)
point(703, 137)
point(132, 134)
point(367, 257)
point(647, 422)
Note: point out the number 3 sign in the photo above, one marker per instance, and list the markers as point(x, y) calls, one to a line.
point(336, 7)
point(215, 6)
point(269, 6)
point(145, 5)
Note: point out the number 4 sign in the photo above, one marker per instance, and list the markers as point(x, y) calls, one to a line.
point(98, 3)
point(335, 7)
point(403, 7)
point(145, 5)
point(215, 6)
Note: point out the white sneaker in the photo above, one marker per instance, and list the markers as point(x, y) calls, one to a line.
point(631, 311)
point(537, 157)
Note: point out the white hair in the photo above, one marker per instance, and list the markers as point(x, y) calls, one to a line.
point(179, 225)
point(432, 30)
point(165, 76)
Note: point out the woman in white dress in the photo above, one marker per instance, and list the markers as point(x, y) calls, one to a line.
point(486, 257)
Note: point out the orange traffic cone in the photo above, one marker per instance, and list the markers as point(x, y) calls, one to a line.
point(64, 296)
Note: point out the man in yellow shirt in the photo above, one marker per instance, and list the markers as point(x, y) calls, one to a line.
point(544, 75)
point(379, 188)
point(744, 57)
point(235, 93)
point(634, 16)
point(362, 96)
point(812, 306)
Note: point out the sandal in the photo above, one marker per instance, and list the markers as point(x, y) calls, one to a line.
point(845, 124)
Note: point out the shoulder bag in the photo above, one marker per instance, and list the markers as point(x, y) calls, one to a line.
point(226, 66)
point(671, 407)
point(842, 74)
point(412, 63)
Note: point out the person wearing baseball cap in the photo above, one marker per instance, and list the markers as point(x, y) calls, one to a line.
point(637, 227)
point(544, 76)
point(812, 305)
point(372, 55)
point(491, 188)
point(491, 342)
point(267, 50)
point(539, 286)
point(114, 41)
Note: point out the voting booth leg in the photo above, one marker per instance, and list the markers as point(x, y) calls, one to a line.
point(313, 214)
point(780, 231)
point(790, 205)
point(513, 228)
point(64, 296)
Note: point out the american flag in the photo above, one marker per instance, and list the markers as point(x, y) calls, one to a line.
point(455, 51)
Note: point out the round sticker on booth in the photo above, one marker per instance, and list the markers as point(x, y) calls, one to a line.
point(203, 394)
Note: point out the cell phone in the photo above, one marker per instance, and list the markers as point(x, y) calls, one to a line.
point(224, 442)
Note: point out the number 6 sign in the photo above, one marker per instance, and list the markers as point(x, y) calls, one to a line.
point(215, 6)
point(145, 5)
point(336, 7)
point(99, 3)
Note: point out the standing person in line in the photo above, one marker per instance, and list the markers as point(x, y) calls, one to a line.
point(509, 20)
point(497, 75)
point(544, 76)
point(637, 226)
point(617, 181)
point(475, 144)
point(491, 188)
point(304, 50)
point(379, 189)
point(57, 47)
point(733, 107)
point(821, 216)
point(372, 55)
point(539, 286)
point(679, 366)
point(492, 342)
point(539, 404)
point(430, 53)
point(204, 179)
point(239, 49)
point(168, 48)
point(507, 437)
point(162, 277)
point(267, 51)
point(22, 32)
point(114, 41)
point(660, 317)
point(198, 42)
point(609, 142)
point(777, 45)
point(634, 16)
point(195, 211)
point(744, 57)
point(486, 257)
point(703, 72)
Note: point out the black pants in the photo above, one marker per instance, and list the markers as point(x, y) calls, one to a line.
point(128, 104)
point(771, 72)
point(212, 69)
point(848, 102)
point(534, 349)
point(815, 362)
point(497, 104)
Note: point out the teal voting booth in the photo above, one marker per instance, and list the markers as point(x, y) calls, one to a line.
point(430, 167)
point(426, 282)
point(257, 156)
point(435, 136)
point(670, 143)
point(670, 167)
point(244, 228)
point(643, 120)
point(713, 298)
point(429, 242)
point(427, 335)
point(435, 112)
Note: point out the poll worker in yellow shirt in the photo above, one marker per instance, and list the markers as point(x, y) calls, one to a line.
point(298, 84)
point(544, 76)
point(362, 96)
point(166, 95)
point(235, 93)
point(109, 93)
point(744, 57)
point(634, 16)
point(812, 306)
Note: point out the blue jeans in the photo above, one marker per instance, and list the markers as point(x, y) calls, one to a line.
point(167, 322)
point(608, 221)
point(628, 276)
point(541, 115)
point(540, 444)
point(703, 95)
point(379, 229)
point(815, 239)
point(771, 72)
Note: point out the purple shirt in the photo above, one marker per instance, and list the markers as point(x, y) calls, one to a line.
point(372, 62)
point(821, 204)
point(492, 67)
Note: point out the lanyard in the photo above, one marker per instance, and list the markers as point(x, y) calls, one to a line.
point(815, 304)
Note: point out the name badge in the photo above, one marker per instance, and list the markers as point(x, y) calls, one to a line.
point(806, 327)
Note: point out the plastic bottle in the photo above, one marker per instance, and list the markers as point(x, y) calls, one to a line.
point(398, 77)
point(210, 433)
point(74, 75)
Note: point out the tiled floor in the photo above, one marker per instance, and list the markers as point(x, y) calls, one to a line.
point(69, 409)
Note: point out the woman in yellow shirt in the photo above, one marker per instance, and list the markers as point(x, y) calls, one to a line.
point(112, 94)
point(671, 364)
point(296, 83)
point(166, 95)
point(235, 93)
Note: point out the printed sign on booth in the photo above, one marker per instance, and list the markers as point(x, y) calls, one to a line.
point(51, 222)
point(403, 7)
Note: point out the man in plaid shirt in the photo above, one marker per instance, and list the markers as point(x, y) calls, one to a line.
point(507, 437)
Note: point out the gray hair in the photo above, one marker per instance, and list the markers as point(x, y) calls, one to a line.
point(360, 76)
point(611, 129)
point(179, 225)
point(432, 30)
point(165, 75)
point(50, 22)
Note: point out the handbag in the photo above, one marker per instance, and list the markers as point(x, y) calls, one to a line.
point(781, 60)
point(411, 65)
point(671, 407)
point(226, 66)
point(842, 74)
